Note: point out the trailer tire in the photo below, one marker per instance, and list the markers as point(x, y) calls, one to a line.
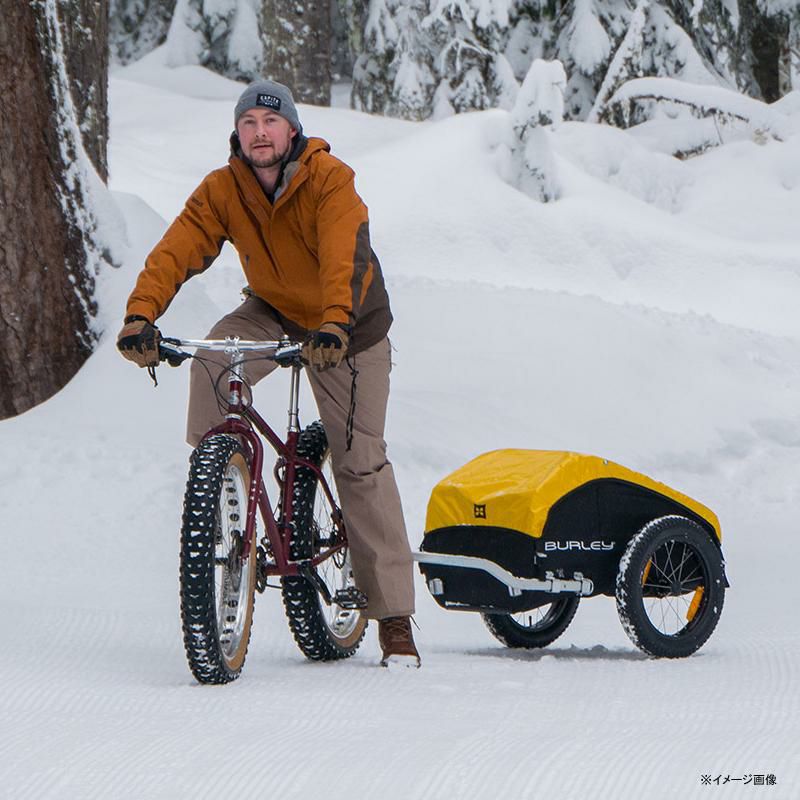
point(670, 559)
point(536, 628)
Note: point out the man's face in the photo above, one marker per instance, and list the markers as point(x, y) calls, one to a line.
point(266, 137)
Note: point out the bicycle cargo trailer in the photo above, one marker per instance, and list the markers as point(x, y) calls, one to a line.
point(517, 530)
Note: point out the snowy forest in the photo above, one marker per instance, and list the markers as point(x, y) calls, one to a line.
point(417, 59)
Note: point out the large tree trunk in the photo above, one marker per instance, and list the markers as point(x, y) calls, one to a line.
point(769, 37)
point(47, 252)
point(298, 48)
point(85, 31)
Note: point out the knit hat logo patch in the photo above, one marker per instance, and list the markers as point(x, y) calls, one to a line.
point(269, 100)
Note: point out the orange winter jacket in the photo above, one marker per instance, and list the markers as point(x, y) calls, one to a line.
point(307, 253)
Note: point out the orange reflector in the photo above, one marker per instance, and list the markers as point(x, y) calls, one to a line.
point(646, 570)
point(695, 604)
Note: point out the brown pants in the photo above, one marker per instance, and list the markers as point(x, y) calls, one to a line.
point(376, 531)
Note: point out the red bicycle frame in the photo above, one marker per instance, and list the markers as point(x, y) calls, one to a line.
point(243, 421)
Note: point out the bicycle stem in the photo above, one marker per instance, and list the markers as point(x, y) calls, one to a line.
point(235, 379)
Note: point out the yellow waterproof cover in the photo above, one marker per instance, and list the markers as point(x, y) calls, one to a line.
point(516, 488)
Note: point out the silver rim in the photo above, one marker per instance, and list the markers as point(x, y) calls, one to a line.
point(231, 575)
point(335, 571)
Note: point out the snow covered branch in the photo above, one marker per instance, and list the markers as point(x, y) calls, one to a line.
point(627, 106)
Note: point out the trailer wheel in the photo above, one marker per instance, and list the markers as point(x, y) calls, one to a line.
point(535, 628)
point(670, 587)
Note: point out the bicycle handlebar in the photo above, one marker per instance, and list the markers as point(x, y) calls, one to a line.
point(284, 351)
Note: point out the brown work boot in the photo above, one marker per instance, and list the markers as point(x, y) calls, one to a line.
point(397, 642)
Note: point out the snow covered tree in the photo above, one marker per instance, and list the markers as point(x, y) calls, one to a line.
point(394, 74)
point(298, 35)
point(434, 57)
point(223, 35)
point(654, 45)
point(50, 247)
point(426, 58)
point(627, 63)
point(719, 37)
point(538, 109)
point(586, 39)
point(137, 27)
point(469, 36)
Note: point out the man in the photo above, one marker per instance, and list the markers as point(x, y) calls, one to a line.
point(302, 233)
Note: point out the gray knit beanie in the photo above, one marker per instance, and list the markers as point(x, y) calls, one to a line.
point(268, 94)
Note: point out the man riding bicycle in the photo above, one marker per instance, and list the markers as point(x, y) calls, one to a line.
point(291, 210)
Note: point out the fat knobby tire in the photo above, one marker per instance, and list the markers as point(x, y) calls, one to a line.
point(301, 600)
point(511, 633)
point(204, 490)
point(632, 573)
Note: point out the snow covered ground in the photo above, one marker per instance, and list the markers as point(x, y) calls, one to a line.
point(649, 316)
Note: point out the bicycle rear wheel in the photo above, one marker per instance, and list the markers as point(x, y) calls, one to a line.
point(323, 632)
point(217, 577)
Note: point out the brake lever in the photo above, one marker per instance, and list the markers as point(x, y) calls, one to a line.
point(287, 354)
point(168, 351)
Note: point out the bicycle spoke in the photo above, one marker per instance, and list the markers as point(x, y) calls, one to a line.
point(665, 612)
point(669, 548)
point(658, 567)
point(694, 574)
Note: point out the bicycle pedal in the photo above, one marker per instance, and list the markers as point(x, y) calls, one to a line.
point(350, 598)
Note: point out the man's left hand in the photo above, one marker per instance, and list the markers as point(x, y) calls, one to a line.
point(326, 347)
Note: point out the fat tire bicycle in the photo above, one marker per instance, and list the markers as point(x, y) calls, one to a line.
point(304, 544)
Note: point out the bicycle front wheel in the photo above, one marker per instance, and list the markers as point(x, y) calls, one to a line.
point(323, 632)
point(218, 577)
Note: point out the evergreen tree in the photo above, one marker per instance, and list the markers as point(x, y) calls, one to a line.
point(653, 46)
point(394, 73)
point(587, 37)
point(538, 109)
point(137, 27)
point(469, 37)
point(719, 37)
point(223, 35)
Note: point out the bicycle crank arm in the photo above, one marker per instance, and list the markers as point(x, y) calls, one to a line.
point(310, 574)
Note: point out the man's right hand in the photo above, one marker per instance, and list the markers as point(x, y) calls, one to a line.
point(138, 341)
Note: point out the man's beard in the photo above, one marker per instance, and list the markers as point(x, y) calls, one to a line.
point(264, 161)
